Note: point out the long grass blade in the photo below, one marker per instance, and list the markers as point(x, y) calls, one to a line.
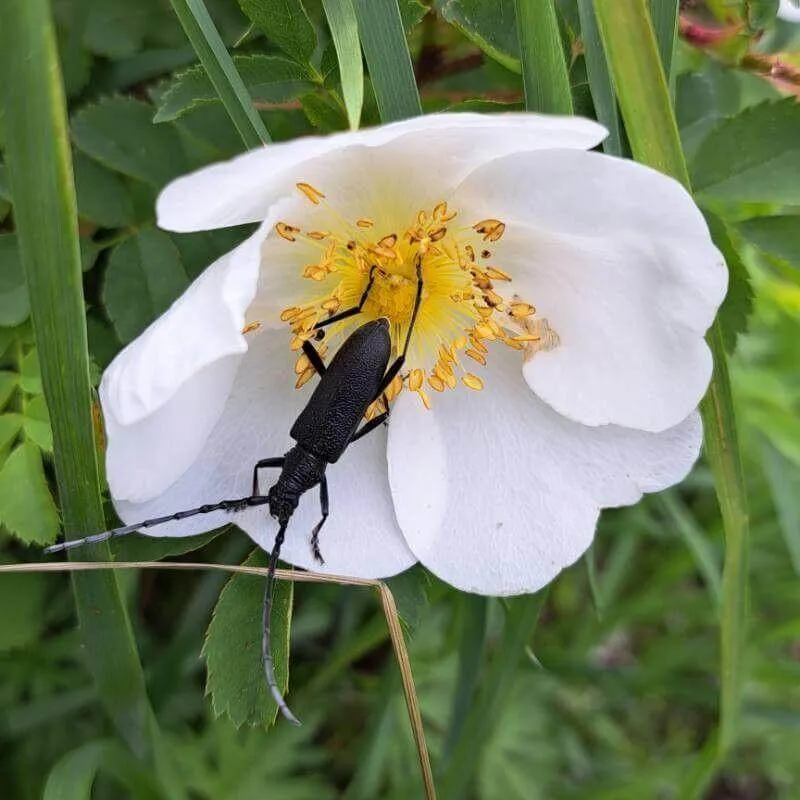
point(641, 85)
point(40, 168)
point(217, 61)
point(386, 50)
point(544, 67)
point(664, 14)
point(343, 23)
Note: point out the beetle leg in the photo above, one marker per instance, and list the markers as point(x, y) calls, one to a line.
point(323, 502)
point(314, 357)
point(367, 427)
point(275, 463)
point(350, 312)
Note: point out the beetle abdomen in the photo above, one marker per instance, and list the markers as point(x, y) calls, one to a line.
point(351, 380)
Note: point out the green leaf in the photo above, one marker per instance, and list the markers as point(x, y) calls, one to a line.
point(232, 648)
point(116, 28)
point(21, 608)
point(491, 26)
point(409, 589)
point(285, 23)
point(603, 97)
point(120, 134)
point(271, 79)
point(783, 479)
point(135, 547)
point(8, 383)
point(753, 157)
point(779, 236)
point(36, 423)
point(144, 276)
point(10, 426)
point(26, 507)
point(386, 51)
point(738, 303)
point(102, 196)
point(544, 68)
point(30, 376)
point(343, 23)
point(664, 14)
point(323, 113)
point(14, 303)
point(73, 776)
point(217, 61)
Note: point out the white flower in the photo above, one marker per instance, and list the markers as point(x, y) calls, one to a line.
point(586, 290)
point(789, 11)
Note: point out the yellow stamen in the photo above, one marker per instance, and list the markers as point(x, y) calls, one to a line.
point(472, 382)
point(491, 229)
point(519, 309)
point(314, 195)
point(286, 231)
point(415, 379)
point(250, 327)
point(364, 223)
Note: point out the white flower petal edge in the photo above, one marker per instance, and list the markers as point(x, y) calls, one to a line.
point(360, 538)
point(243, 189)
point(619, 260)
point(789, 12)
point(499, 494)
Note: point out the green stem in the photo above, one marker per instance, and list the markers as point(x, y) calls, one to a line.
point(643, 94)
point(40, 168)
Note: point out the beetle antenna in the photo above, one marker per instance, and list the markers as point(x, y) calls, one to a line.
point(266, 640)
point(230, 506)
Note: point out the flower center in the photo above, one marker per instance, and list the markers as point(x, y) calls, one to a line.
point(462, 303)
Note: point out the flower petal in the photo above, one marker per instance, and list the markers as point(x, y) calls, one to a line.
point(618, 259)
point(243, 189)
point(788, 11)
point(496, 493)
point(360, 538)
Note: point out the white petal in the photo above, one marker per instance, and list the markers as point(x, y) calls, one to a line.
point(243, 189)
point(788, 11)
point(618, 259)
point(496, 493)
point(360, 538)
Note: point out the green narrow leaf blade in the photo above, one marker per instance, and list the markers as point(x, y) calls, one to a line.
point(544, 68)
point(343, 23)
point(42, 185)
point(605, 101)
point(386, 50)
point(783, 478)
point(214, 56)
point(632, 53)
point(664, 14)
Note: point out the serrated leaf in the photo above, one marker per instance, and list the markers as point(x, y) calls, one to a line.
point(21, 605)
point(491, 26)
point(738, 303)
point(323, 113)
point(116, 28)
point(26, 507)
point(36, 423)
point(102, 196)
point(232, 648)
point(779, 236)
point(270, 79)
point(285, 23)
point(30, 376)
point(14, 305)
point(120, 134)
point(753, 157)
point(411, 12)
point(144, 276)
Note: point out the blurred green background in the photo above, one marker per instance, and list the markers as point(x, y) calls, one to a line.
point(616, 691)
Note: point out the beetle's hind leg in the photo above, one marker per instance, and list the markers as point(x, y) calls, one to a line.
point(324, 506)
point(265, 463)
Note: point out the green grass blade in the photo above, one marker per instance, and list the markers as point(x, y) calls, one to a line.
point(664, 14)
point(603, 97)
point(632, 53)
point(474, 618)
point(386, 50)
point(343, 23)
point(521, 619)
point(544, 68)
point(216, 59)
point(40, 166)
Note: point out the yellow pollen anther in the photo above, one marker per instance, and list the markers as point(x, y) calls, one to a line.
point(519, 309)
point(250, 327)
point(486, 253)
point(305, 378)
point(460, 342)
point(470, 251)
point(426, 401)
point(332, 305)
point(286, 231)
point(497, 274)
point(288, 314)
point(436, 383)
point(415, 380)
point(314, 195)
point(364, 223)
point(485, 332)
point(491, 229)
point(527, 337)
point(438, 234)
point(476, 356)
point(318, 235)
point(472, 382)
point(388, 241)
point(301, 365)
